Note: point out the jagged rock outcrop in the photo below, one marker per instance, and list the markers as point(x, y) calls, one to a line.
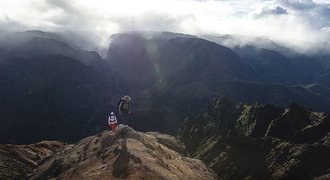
point(18, 161)
point(124, 153)
point(260, 141)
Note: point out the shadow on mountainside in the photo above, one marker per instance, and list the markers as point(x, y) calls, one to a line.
point(120, 166)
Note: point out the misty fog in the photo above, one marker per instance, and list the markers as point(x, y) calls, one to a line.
point(302, 25)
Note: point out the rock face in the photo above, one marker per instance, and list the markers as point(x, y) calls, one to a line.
point(124, 153)
point(18, 161)
point(260, 141)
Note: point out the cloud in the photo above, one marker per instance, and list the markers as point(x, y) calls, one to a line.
point(298, 22)
point(8, 24)
point(306, 21)
point(267, 11)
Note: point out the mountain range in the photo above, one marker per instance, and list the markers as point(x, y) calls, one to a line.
point(53, 88)
point(181, 73)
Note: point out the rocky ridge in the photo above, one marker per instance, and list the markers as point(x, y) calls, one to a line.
point(124, 153)
point(260, 141)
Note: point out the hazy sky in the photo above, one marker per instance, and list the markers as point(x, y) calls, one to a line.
point(297, 21)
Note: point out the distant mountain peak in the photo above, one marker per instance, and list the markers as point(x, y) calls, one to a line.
point(41, 42)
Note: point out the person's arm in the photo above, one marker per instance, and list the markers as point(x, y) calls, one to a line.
point(119, 107)
point(116, 120)
point(109, 120)
point(129, 108)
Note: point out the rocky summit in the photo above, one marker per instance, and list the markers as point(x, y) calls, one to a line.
point(124, 153)
point(241, 141)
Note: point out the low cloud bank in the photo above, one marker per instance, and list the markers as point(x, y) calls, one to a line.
point(302, 24)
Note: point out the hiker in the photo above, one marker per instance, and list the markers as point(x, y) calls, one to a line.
point(112, 121)
point(124, 109)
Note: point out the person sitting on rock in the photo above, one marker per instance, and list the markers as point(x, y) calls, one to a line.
point(112, 121)
point(124, 109)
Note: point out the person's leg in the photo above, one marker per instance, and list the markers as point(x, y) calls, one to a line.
point(125, 118)
point(120, 118)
